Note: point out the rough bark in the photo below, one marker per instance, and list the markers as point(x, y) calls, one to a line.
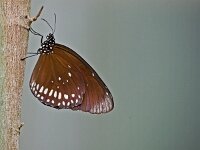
point(13, 46)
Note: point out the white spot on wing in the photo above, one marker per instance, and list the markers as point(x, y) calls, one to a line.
point(68, 103)
point(48, 100)
point(59, 78)
point(33, 89)
point(35, 92)
point(32, 84)
point(52, 101)
point(45, 91)
point(41, 89)
point(59, 95)
point(55, 94)
point(63, 102)
point(37, 87)
point(69, 74)
point(73, 95)
point(65, 96)
point(51, 92)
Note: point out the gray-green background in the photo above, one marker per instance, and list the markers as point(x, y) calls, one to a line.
point(147, 52)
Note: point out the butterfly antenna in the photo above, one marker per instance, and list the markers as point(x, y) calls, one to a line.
point(29, 56)
point(48, 25)
point(34, 32)
point(54, 24)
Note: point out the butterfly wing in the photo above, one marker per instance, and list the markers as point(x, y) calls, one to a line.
point(63, 79)
point(97, 97)
point(55, 83)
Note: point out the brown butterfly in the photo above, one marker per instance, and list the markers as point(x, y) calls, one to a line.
point(62, 79)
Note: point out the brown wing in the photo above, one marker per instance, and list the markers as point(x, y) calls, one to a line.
point(56, 82)
point(97, 97)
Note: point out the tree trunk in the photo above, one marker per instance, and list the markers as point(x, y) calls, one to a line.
point(13, 47)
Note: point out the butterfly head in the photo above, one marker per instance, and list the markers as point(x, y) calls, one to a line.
point(50, 37)
point(47, 45)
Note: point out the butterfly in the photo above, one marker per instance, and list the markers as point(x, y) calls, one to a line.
point(62, 79)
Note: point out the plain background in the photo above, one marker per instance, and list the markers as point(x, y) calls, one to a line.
point(147, 52)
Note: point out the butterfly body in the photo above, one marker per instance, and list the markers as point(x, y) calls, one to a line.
point(62, 79)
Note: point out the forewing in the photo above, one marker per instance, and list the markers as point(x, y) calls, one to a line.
point(56, 83)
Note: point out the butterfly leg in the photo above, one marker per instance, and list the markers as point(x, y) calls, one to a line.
point(22, 59)
point(36, 33)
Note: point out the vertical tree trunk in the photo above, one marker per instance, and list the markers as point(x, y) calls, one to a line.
point(13, 46)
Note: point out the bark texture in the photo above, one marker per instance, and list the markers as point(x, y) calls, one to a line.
point(13, 47)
